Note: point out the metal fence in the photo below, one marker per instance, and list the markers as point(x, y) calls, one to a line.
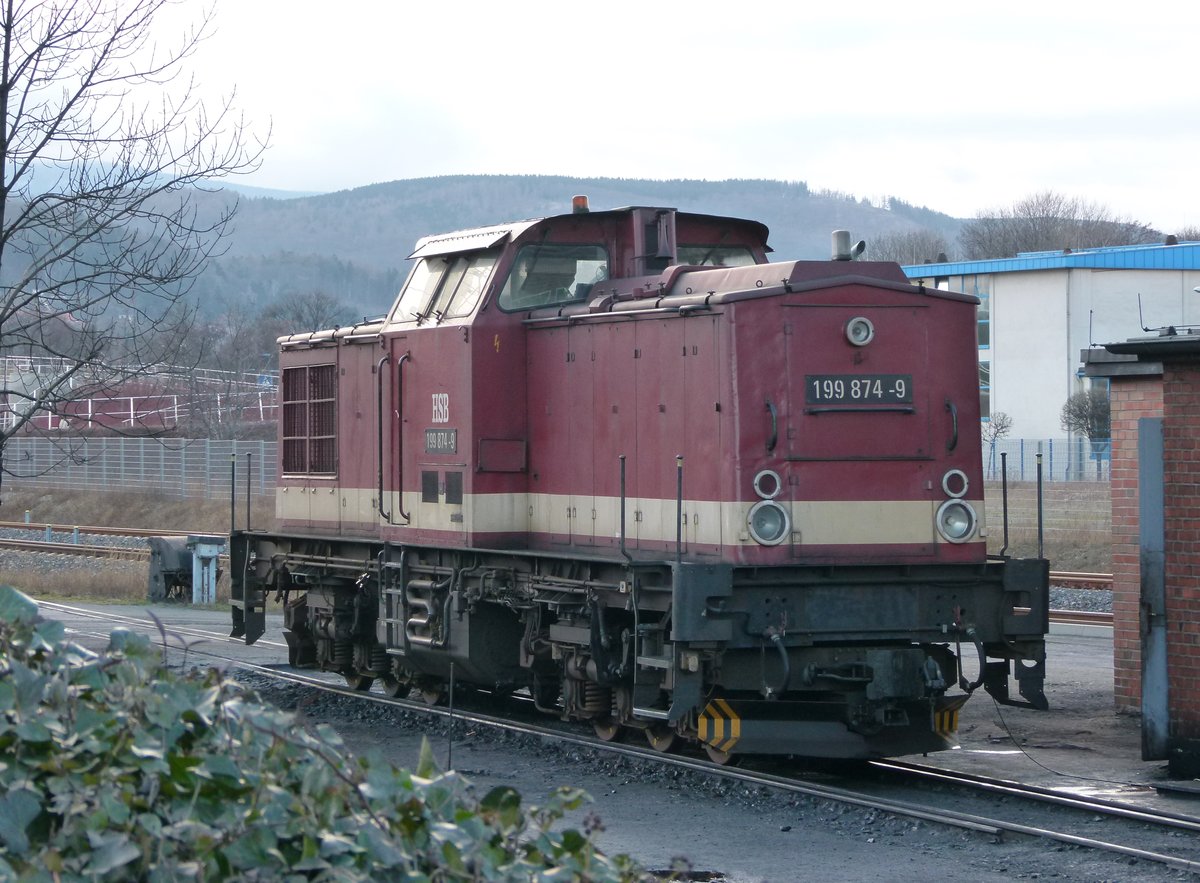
point(1063, 459)
point(200, 467)
point(178, 468)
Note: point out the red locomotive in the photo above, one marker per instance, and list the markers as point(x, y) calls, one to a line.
point(618, 459)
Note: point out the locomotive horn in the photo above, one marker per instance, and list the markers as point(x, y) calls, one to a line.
point(842, 250)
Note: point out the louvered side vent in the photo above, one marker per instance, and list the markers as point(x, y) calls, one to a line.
point(310, 420)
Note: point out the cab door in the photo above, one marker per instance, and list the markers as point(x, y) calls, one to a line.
point(434, 430)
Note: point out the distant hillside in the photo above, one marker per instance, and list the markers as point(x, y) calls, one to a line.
point(353, 243)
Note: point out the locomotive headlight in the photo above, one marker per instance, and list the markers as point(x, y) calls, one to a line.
point(860, 331)
point(768, 484)
point(954, 483)
point(768, 522)
point(956, 521)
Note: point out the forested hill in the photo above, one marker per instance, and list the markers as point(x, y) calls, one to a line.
point(353, 244)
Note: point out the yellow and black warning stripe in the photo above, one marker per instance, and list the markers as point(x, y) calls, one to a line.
point(945, 721)
point(719, 725)
point(945, 714)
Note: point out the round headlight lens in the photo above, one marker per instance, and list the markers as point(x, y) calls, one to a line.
point(860, 331)
point(768, 484)
point(954, 483)
point(769, 523)
point(956, 521)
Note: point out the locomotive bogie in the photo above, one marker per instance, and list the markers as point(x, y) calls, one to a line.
point(740, 505)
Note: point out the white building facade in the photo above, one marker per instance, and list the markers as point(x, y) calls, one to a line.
point(1038, 311)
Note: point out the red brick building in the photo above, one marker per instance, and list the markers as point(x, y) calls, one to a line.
point(1135, 391)
point(1156, 579)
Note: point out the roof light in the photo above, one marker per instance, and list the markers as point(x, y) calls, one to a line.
point(579, 205)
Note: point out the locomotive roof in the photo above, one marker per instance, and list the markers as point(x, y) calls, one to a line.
point(475, 238)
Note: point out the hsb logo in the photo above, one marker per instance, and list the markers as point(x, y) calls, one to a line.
point(441, 407)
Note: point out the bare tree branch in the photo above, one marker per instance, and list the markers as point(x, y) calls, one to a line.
point(104, 148)
point(909, 247)
point(1048, 221)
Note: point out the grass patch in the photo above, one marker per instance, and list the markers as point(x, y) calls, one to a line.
point(142, 511)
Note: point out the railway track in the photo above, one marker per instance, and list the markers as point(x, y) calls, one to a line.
point(119, 553)
point(1071, 580)
point(958, 800)
point(1066, 579)
point(41, 527)
point(122, 553)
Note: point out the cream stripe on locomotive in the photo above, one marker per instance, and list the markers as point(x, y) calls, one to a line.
point(814, 522)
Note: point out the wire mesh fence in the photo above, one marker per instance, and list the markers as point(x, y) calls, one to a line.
point(1075, 511)
point(1062, 459)
point(170, 467)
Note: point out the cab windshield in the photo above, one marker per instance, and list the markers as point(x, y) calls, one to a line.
point(444, 287)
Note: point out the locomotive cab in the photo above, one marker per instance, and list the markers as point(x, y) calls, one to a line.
point(618, 459)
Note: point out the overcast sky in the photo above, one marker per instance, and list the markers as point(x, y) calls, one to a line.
point(955, 105)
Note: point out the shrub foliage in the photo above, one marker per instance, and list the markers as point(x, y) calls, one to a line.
point(113, 767)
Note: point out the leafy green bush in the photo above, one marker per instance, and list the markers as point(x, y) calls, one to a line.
point(112, 767)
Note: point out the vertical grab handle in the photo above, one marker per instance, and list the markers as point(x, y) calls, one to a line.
point(386, 516)
point(774, 436)
point(953, 409)
point(407, 357)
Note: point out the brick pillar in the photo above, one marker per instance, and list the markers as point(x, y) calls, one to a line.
point(1131, 398)
point(1181, 476)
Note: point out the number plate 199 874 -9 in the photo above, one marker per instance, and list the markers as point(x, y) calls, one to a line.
point(858, 389)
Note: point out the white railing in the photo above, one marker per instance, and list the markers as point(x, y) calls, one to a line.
point(40, 366)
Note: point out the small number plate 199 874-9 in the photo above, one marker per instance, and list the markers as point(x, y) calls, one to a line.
point(858, 389)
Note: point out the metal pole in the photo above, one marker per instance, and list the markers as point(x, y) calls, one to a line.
point(624, 553)
point(249, 484)
point(678, 508)
point(450, 742)
point(1004, 498)
point(232, 493)
point(1039, 505)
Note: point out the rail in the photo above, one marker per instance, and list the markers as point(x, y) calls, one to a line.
point(119, 553)
point(1081, 580)
point(42, 527)
point(1057, 577)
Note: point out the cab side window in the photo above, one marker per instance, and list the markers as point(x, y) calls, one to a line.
point(715, 255)
point(550, 274)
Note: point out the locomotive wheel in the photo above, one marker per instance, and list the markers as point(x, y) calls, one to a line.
point(360, 682)
point(395, 688)
point(716, 755)
point(661, 739)
point(607, 729)
point(431, 694)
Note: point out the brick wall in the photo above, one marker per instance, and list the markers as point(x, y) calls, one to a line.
point(1131, 398)
point(1181, 475)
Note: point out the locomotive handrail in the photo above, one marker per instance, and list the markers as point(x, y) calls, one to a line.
point(953, 409)
point(407, 357)
point(386, 516)
point(862, 409)
point(774, 436)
